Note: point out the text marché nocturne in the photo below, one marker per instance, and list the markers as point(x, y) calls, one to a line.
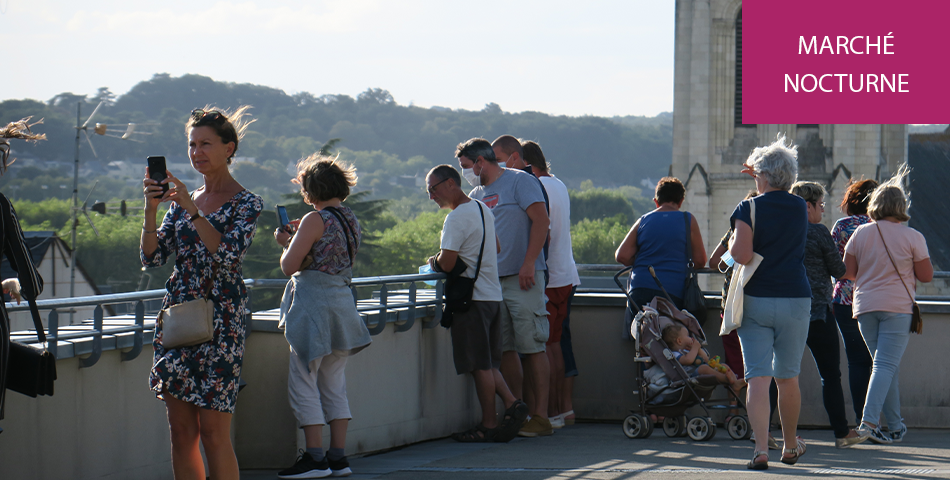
point(844, 82)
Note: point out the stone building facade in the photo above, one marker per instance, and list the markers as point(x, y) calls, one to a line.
point(710, 142)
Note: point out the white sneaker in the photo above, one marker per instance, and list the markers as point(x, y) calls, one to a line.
point(556, 422)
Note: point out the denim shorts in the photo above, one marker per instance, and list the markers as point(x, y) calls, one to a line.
point(773, 335)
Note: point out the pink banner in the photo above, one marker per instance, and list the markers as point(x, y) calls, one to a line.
point(845, 61)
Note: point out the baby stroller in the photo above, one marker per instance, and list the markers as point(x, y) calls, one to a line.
point(664, 386)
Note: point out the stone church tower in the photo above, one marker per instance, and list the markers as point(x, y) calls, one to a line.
point(710, 142)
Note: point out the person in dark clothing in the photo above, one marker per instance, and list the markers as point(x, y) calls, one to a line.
point(29, 284)
point(821, 263)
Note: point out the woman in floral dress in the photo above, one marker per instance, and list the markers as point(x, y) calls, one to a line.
point(212, 226)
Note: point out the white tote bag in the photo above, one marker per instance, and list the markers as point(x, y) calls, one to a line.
point(741, 274)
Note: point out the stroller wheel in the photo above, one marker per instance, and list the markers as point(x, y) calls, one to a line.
point(649, 423)
point(674, 426)
point(634, 426)
point(738, 427)
point(700, 429)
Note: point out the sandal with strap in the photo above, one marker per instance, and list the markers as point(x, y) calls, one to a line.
point(753, 465)
point(514, 418)
point(795, 453)
point(476, 434)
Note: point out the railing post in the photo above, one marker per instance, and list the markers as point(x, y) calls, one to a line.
point(96, 340)
point(52, 342)
point(437, 315)
point(138, 334)
point(383, 300)
point(411, 312)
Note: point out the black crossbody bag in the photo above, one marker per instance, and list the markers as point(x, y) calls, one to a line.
point(32, 371)
point(459, 289)
point(694, 301)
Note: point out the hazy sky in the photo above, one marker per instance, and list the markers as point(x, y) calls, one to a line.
point(561, 57)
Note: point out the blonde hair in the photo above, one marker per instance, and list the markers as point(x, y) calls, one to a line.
point(19, 129)
point(812, 192)
point(889, 199)
point(322, 177)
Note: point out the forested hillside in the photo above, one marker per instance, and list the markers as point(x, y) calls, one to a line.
point(610, 152)
point(602, 160)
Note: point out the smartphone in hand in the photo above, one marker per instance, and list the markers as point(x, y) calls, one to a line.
point(282, 217)
point(156, 171)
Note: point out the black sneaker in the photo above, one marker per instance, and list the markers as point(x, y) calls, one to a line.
point(340, 468)
point(306, 467)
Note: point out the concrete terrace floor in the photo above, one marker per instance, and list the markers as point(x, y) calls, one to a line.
point(601, 451)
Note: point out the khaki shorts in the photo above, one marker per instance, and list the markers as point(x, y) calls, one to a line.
point(524, 316)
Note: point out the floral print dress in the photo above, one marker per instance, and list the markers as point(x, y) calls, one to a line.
point(206, 375)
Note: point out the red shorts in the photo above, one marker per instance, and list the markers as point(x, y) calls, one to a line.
point(557, 311)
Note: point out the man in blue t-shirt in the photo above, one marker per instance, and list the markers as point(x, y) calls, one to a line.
point(521, 223)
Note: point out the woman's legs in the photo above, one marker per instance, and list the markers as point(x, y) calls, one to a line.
point(757, 405)
point(886, 335)
point(789, 408)
point(823, 343)
point(216, 438)
point(183, 424)
point(859, 359)
point(188, 423)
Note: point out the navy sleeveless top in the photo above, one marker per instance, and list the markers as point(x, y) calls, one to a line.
point(661, 242)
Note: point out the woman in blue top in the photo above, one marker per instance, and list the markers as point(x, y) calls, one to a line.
point(658, 239)
point(777, 301)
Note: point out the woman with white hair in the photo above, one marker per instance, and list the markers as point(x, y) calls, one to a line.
point(777, 299)
point(884, 258)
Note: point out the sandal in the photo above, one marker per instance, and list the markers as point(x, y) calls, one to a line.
point(514, 418)
point(753, 465)
point(795, 453)
point(476, 434)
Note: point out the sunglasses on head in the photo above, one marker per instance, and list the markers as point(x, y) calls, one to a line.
point(207, 116)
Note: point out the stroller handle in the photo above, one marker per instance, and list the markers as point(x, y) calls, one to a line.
point(623, 288)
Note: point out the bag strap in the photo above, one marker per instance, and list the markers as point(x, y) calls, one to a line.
point(689, 241)
point(878, 225)
point(478, 265)
point(345, 226)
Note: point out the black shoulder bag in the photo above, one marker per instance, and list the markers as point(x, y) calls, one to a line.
point(694, 301)
point(31, 371)
point(458, 289)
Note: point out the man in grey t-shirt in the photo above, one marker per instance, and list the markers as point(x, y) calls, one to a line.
point(521, 223)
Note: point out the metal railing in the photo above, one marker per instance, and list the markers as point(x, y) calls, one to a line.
point(386, 305)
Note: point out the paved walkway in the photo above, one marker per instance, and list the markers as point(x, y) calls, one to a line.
point(601, 451)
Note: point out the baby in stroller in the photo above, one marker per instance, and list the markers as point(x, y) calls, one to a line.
point(687, 350)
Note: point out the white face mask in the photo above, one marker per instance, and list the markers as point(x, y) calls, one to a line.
point(470, 176)
point(503, 164)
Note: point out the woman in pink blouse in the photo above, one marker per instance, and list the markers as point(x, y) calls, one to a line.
point(884, 258)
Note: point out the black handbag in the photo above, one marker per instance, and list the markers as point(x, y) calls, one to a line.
point(694, 301)
point(458, 289)
point(31, 371)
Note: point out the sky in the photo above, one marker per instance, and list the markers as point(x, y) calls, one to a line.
point(574, 58)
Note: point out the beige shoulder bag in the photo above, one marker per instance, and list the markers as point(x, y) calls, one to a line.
point(189, 323)
point(741, 274)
